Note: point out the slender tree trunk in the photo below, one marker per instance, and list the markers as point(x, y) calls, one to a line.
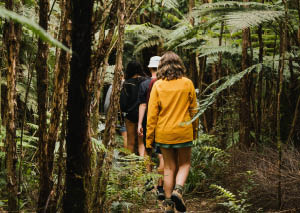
point(214, 73)
point(12, 39)
point(245, 115)
point(279, 91)
point(60, 80)
point(78, 143)
point(110, 130)
point(46, 183)
point(259, 96)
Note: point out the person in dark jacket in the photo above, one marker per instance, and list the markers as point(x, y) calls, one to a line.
point(130, 106)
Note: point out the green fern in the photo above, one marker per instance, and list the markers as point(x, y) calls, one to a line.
point(229, 81)
point(10, 15)
point(232, 203)
point(230, 6)
point(219, 49)
point(244, 19)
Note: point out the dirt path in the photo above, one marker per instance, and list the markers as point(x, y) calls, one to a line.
point(194, 204)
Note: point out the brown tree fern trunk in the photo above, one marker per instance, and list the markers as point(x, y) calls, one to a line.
point(78, 141)
point(12, 39)
point(110, 130)
point(60, 80)
point(245, 113)
point(45, 184)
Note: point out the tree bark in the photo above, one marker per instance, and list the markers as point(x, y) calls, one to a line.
point(245, 113)
point(110, 130)
point(259, 95)
point(60, 80)
point(46, 183)
point(78, 141)
point(11, 36)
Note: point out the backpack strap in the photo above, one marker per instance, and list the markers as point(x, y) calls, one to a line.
point(150, 88)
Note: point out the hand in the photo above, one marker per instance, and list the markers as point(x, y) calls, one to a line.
point(140, 130)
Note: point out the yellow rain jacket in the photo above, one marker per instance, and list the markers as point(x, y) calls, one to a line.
point(171, 103)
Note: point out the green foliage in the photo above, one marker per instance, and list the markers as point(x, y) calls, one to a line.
point(126, 185)
point(219, 49)
point(242, 20)
point(229, 81)
point(10, 15)
point(233, 204)
point(208, 163)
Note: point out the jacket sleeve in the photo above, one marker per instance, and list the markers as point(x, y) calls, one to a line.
point(152, 116)
point(193, 110)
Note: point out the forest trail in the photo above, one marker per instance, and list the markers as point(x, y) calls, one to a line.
point(193, 203)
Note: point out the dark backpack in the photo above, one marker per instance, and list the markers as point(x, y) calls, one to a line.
point(129, 103)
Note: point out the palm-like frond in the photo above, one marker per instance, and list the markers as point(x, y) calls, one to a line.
point(245, 19)
point(149, 42)
point(229, 6)
point(170, 4)
point(218, 49)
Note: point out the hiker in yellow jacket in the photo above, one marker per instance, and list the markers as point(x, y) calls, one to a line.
point(172, 102)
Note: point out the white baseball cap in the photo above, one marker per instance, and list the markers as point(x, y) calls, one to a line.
point(154, 61)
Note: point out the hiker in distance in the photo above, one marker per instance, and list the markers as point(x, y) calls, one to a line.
point(129, 104)
point(172, 102)
point(144, 94)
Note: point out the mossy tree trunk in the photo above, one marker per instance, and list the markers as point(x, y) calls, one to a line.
point(11, 37)
point(45, 184)
point(245, 112)
point(112, 114)
point(60, 80)
point(78, 140)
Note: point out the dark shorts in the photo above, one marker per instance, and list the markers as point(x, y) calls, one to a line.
point(175, 146)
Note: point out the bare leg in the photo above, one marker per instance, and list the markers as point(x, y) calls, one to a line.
point(131, 134)
point(124, 135)
point(184, 164)
point(160, 169)
point(141, 146)
point(169, 170)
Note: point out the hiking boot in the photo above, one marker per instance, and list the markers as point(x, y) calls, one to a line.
point(169, 206)
point(160, 193)
point(176, 197)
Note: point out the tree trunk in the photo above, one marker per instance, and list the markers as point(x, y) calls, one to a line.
point(110, 130)
point(60, 80)
point(78, 141)
point(259, 95)
point(245, 115)
point(11, 36)
point(45, 185)
point(283, 48)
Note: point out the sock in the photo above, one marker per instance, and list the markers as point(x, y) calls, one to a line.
point(179, 187)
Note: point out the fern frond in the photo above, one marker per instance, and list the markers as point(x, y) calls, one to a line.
point(229, 6)
point(219, 49)
point(224, 193)
point(245, 19)
point(170, 4)
point(150, 42)
point(229, 81)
